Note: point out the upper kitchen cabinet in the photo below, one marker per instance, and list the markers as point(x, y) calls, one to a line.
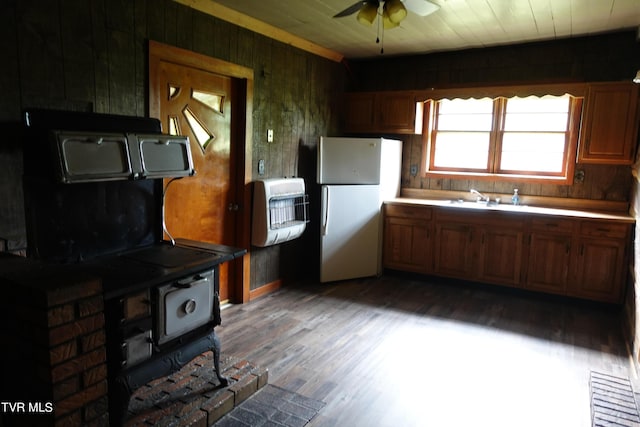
point(609, 124)
point(380, 112)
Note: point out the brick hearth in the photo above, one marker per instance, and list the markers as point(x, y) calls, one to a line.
point(53, 335)
point(54, 346)
point(193, 396)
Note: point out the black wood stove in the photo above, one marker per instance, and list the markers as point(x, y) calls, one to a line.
point(94, 201)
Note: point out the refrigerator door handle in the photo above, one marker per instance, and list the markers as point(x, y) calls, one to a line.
point(325, 209)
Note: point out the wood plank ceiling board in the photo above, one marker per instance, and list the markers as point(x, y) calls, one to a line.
point(619, 13)
point(457, 24)
point(561, 16)
point(601, 14)
point(542, 13)
point(515, 18)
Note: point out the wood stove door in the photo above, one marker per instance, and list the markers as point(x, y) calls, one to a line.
point(197, 103)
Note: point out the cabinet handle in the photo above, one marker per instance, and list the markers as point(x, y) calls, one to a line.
point(604, 230)
point(582, 249)
point(551, 224)
point(568, 248)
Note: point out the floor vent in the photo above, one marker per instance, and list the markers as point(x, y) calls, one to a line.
point(612, 401)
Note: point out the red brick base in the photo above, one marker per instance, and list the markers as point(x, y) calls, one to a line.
point(193, 395)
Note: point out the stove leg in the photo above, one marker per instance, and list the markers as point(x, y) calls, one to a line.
point(216, 348)
point(126, 382)
point(120, 392)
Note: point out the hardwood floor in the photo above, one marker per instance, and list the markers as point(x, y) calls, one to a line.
point(406, 351)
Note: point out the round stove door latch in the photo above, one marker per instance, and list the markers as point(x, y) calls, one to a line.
point(189, 306)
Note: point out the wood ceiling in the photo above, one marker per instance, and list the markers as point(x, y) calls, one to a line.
point(458, 24)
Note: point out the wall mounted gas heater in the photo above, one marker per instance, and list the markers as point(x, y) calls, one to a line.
point(280, 210)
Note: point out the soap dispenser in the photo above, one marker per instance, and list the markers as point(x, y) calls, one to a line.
point(515, 199)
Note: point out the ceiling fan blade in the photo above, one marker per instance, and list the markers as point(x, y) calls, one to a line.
point(421, 7)
point(351, 9)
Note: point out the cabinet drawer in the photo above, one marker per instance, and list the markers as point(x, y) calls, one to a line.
point(552, 224)
point(604, 229)
point(498, 220)
point(415, 212)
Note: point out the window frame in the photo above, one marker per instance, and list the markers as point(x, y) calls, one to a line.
point(499, 96)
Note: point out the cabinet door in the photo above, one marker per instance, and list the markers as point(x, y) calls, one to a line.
point(396, 112)
point(599, 270)
point(375, 112)
point(500, 256)
point(408, 245)
point(548, 264)
point(359, 113)
point(609, 124)
point(454, 250)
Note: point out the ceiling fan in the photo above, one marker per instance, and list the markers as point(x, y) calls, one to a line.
point(393, 11)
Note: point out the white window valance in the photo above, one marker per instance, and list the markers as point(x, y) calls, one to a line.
point(557, 89)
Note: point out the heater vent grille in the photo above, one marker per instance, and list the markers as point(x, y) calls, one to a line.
point(280, 210)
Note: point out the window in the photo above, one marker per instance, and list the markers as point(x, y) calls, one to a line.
point(530, 137)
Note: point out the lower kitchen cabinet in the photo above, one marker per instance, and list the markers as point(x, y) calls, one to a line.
point(454, 249)
point(483, 247)
point(500, 258)
point(572, 256)
point(548, 262)
point(408, 242)
point(600, 261)
point(549, 254)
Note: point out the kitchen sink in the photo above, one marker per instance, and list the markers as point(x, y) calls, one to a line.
point(485, 205)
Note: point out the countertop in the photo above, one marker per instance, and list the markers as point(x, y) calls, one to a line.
point(516, 210)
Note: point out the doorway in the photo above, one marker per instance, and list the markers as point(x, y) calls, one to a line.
point(208, 100)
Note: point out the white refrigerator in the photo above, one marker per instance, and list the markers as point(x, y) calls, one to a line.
point(356, 176)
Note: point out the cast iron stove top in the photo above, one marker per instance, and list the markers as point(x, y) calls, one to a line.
point(158, 264)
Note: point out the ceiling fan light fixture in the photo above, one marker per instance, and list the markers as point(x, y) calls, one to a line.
point(368, 13)
point(395, 10)
point(387, 23)
point(421, 7)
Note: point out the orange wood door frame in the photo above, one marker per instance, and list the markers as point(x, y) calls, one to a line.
point(241, 131)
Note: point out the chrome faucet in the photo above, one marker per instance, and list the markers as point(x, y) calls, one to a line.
point(481, 197)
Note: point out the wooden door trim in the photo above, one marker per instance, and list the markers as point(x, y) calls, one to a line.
point(241, 130)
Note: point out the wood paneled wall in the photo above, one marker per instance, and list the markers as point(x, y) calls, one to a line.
point(606, 57)
point(92, 56)
point(613, 56)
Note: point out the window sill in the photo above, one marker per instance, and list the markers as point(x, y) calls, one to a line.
point(539, 179)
